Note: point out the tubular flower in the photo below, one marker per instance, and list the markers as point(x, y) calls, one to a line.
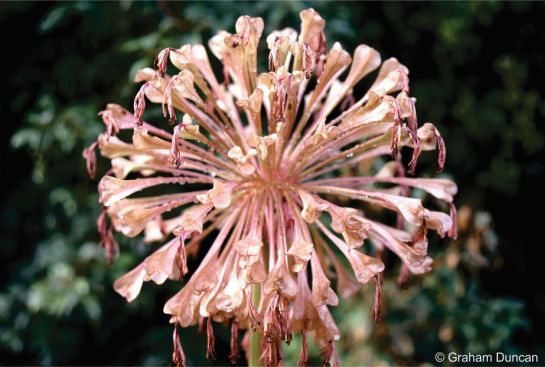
point(274, 165)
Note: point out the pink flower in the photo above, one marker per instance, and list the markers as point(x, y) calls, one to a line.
point(274, 164)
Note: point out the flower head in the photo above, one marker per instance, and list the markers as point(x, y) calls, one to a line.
point(274, 165)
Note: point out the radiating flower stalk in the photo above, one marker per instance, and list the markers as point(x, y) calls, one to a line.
point(273, 163)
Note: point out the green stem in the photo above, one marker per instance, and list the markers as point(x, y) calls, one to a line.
point(255, 336)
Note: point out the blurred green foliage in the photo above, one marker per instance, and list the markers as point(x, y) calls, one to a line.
point(445, 311)
point(476, 68)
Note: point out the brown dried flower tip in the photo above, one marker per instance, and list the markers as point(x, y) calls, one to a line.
point(274, 164)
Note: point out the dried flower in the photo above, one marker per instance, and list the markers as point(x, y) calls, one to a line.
point(275, 164)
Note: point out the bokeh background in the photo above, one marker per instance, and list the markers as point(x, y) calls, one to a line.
point(478, 72)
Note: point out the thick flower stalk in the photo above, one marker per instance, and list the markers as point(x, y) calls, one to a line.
point(279, 167)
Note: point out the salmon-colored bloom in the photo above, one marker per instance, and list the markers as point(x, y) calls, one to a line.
point(272, 163)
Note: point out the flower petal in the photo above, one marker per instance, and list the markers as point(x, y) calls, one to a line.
point(322, 294)
point(231, 297)
point(219, 195)
point(312, 208)
point(112, 189)
point(163, 263)
point(130, 284)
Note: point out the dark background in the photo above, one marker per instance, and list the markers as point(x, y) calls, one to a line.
point(476, 68)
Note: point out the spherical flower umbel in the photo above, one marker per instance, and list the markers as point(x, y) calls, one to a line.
point(279, 167)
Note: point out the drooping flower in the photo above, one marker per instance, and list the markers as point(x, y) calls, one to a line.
point(275, 165)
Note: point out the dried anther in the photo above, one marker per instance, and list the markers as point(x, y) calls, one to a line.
point(140, 103)
point(211, 340)
point(303, 356)
point(178, 356)
point(107, 239)
point(91, 159)
point(234, 355)
point(377, 305)
point(330, 355)
point(161, 61)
